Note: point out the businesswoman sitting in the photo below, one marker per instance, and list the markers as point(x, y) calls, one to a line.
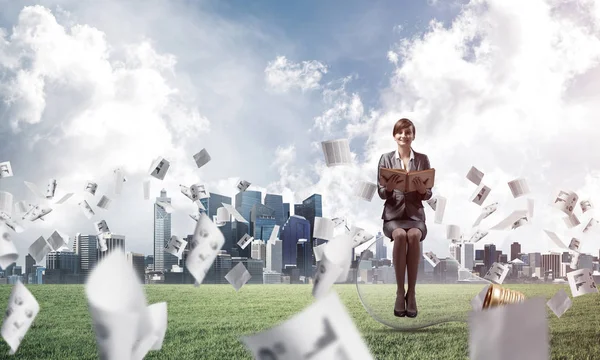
point(403, 214)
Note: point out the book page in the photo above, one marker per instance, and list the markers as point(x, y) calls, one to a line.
point(427, 176)
point(385, 174)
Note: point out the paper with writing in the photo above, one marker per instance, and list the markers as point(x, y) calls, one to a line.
point(581, 282)
point(5, 169)
point(497, 273)
point(475, 175)
point(20, 314)
point(175, 246)
point(51, 189)
point(209, 240)
point(91, 187)
point(104, 202)
point(565, 201)
point(159, 168)
point(201, 158)
point(518, 187)
point(480, 194)
point(337, 152)
point(365, 190)
point(233, 212)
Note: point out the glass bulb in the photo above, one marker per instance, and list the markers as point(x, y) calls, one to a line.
point(443, 293)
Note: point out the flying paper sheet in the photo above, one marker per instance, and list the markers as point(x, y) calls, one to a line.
point(118, 309)
point(581, 282)
point(574, 263)
point(591, 225)
point(6, 202)
point(56, 241)
point(22, 207)
point(222, 216)
point(585, 205)
point(475, 175)
point(91, 187)
point(51, 188)
point(327, 273)
point(530, 206)
point(243, 185)
point(10, 223)
point(5, 170)
point(119, 178)
point(37, 212)
point(8, 251)
point(571, 221)
point(318, 251)
point(432, 202)
point(485, 212)
point(431, 258)
point(245, 240)
point(565, 201)
point(515, 218)
point(574, 244)
point(166, 206)
point(87, 209)
point(322, 331)
point(480, 194)
point(337, 152)
point(323, 228)
point(34, 189)
point(233, 212)
point(20, 314)
point(159, 168)
point(440, 208)
point(478, 235)
point(452, 232)
point(555, 239)
point(175, 246)
point(274, 235)
point(497, 273)
point(209, 240)
point(64, 198)
point(101, 227)
point(559, 303)
point(39, 249)
point(238, 276)
point(195, 216)
point(104, 202)
point(365, 190)
point(522, 221)
point(493, 334)
point(359, 236)
point(201, 158)
point(518, 187)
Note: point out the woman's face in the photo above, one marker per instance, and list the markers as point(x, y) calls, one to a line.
point(404, 137)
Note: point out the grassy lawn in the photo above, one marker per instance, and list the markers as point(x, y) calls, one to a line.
point(206, 322)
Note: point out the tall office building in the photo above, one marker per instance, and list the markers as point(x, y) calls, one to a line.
point(380, 248)
point(535, 260)
point(275, 202)
point(286, 212)
point(515, 250)
point(259, 250)
point(275, 256)
point(296, 228)
point(163, 261)
point(467, 256)
point(479, 254)
point(551, 262)
point(263, 221)
point(138, 263)
point(113, 242)
point(304, 258)
point(62, 267)
point(29, 265)
point(219, 268)
point(489, 256)
point(244, 201)
point(310, 208)
point(455, 252)
point(86, 246)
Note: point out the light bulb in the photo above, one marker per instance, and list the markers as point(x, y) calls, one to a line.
point(443, 293)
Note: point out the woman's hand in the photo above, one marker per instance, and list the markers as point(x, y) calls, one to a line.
point(391, 183)
point(421, 188)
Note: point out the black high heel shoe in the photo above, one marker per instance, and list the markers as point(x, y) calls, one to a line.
point(410, 314)
point(400, 313)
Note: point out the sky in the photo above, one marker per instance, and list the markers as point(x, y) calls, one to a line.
point(506, 86)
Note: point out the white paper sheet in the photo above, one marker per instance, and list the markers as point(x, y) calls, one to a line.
point(323, 228)
point(480, 194)
point(159, 168)
point(37, 212)
point(493, 334)
point(510, 220)
point(585, 206)
point(6, 202)
point(209, 240)
point(581, 282)
point(91, 187)
point(51, 189)
point(497, 273)
point(322, 331)
point(39, 249)
point(431, 258)
point(365, 190)
point(8, 251)
point(238, 276)
point(201, 158)
point(233, 212)
point(565, 201)
point(478, 235)
point(244, 241)
point(440, 209)
point(34, 189)
point(485, 212)
point(146, 189)
point(119, 179)
point(574, 244)
point(274, 235)
point(5, 169)
point(169, 209)
point(518, 187)
point(571, 221)
point(176, 246)
point(337, 152)
point(475, 175)
point(453, 232)
point(243, 185)
point(555, 239)
point(20, 314)
point(63, 199)
point(104, 202)
point(591, 226)
point(559, 303)
point(327, 273)
point(87, 209)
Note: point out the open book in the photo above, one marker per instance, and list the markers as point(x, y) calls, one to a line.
point(405, 179)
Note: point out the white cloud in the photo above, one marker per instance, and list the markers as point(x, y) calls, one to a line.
point(283, 75)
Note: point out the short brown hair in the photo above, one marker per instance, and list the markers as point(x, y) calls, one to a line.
point(403, 124)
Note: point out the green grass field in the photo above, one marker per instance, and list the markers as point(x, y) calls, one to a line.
point(206, 322)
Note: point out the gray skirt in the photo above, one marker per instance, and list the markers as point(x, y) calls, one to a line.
point(390, 225)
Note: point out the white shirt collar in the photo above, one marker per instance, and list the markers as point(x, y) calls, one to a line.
point(412, 154)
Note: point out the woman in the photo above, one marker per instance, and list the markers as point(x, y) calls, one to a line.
point(403, 215)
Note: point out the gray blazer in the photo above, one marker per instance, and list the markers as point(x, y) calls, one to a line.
point(398, 202)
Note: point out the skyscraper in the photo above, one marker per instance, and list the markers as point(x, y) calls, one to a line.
point(296, 228)
point(162, 234)
point(212, 203)
point(304, 258)
point(286, 212)
point(467, 256)
point(489, 256)
point(244, 201)
point(137, 261)
point(275, 202)
point(113, 242)
point(263, 221)
point(275, 256)
point(380, 248)
point(515, 249)
point(86, 247)
point(310, 208)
